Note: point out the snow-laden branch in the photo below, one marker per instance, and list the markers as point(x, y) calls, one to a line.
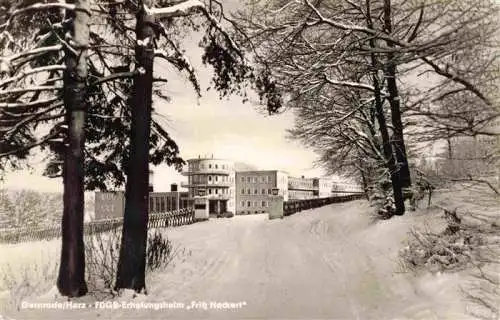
point(186, 8)
point(177, 10)
point(29, 89)
point(344, 26)
point(350, 84)
point(445, 72)
point(29, 146)
point(6, 61)
point(36, 103)
point(401, 43)
point(114, 76)
point(30, 119)
point(31, 71)
point(181, 62)
point(39, 7)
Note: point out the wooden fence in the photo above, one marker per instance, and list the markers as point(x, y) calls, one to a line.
point(294, 206)
point(157, 220)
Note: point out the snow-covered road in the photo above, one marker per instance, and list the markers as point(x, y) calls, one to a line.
point(328, 263)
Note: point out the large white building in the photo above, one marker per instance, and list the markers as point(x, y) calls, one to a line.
point(254, 189)
point(213, 179)
point(248, 191)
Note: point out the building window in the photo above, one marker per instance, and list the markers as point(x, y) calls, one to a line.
point(209, 166)
point(242, 191)
point(216, 178)
point(209, 191)
point(264, 204)
point(255, 191)
point(162, 204)
point(249, 179)
point(158, 206)
point(216, 166)
point(269, 191)
point(243, 179)
point(243, 203)
point(255, 203)
point(254, 179)
point(216, 191)
point(263, 191)
point(248, 191)
point(209, 178)
point(249, 204)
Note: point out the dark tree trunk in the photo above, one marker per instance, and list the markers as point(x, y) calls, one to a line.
point(71, 279)
point(364, 181)
point(386, 143)
point(395, 103)
point(132, 261)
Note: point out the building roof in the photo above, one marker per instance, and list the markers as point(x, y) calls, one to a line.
point(208, 158)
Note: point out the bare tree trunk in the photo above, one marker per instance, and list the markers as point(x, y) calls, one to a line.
point(364, 181)
point(132, 261)
point(395, 103)
point(386, 143)
point(71, 279)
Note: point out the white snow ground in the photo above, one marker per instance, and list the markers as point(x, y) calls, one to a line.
point(328, 263)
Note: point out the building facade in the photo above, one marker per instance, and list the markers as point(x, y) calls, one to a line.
point(325, 187)
point(213, 179)
point(215, 187)
point(254, 188)
point(303, 188)
point(112, 204)
point(168, 201)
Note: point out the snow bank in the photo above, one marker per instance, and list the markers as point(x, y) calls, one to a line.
point(329, 263)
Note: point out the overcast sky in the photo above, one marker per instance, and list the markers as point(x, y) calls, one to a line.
point(225, 128)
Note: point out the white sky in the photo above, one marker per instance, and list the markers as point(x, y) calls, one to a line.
point(225, 128)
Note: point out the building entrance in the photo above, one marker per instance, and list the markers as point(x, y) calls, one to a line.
point(216, 207)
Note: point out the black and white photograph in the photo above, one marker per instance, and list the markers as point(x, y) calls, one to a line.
point(250, 159)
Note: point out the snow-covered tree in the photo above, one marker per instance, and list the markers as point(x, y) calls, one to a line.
point(231, 73)
point(315, 45)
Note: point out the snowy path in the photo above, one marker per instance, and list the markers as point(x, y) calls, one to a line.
point(330, 263)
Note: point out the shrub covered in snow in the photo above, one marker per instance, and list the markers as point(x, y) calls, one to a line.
point(159, 251)
point(460, 245)
point(469, 241)
point(102, 253)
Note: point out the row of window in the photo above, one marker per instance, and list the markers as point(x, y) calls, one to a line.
point(295, 183)
point(209, 166)
point(256, 191)
point(250, 212)
point(295, 194)
point(263, 204)
point(219, 191)
point(261, 179)
point(166, 203)
point(202, 179)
